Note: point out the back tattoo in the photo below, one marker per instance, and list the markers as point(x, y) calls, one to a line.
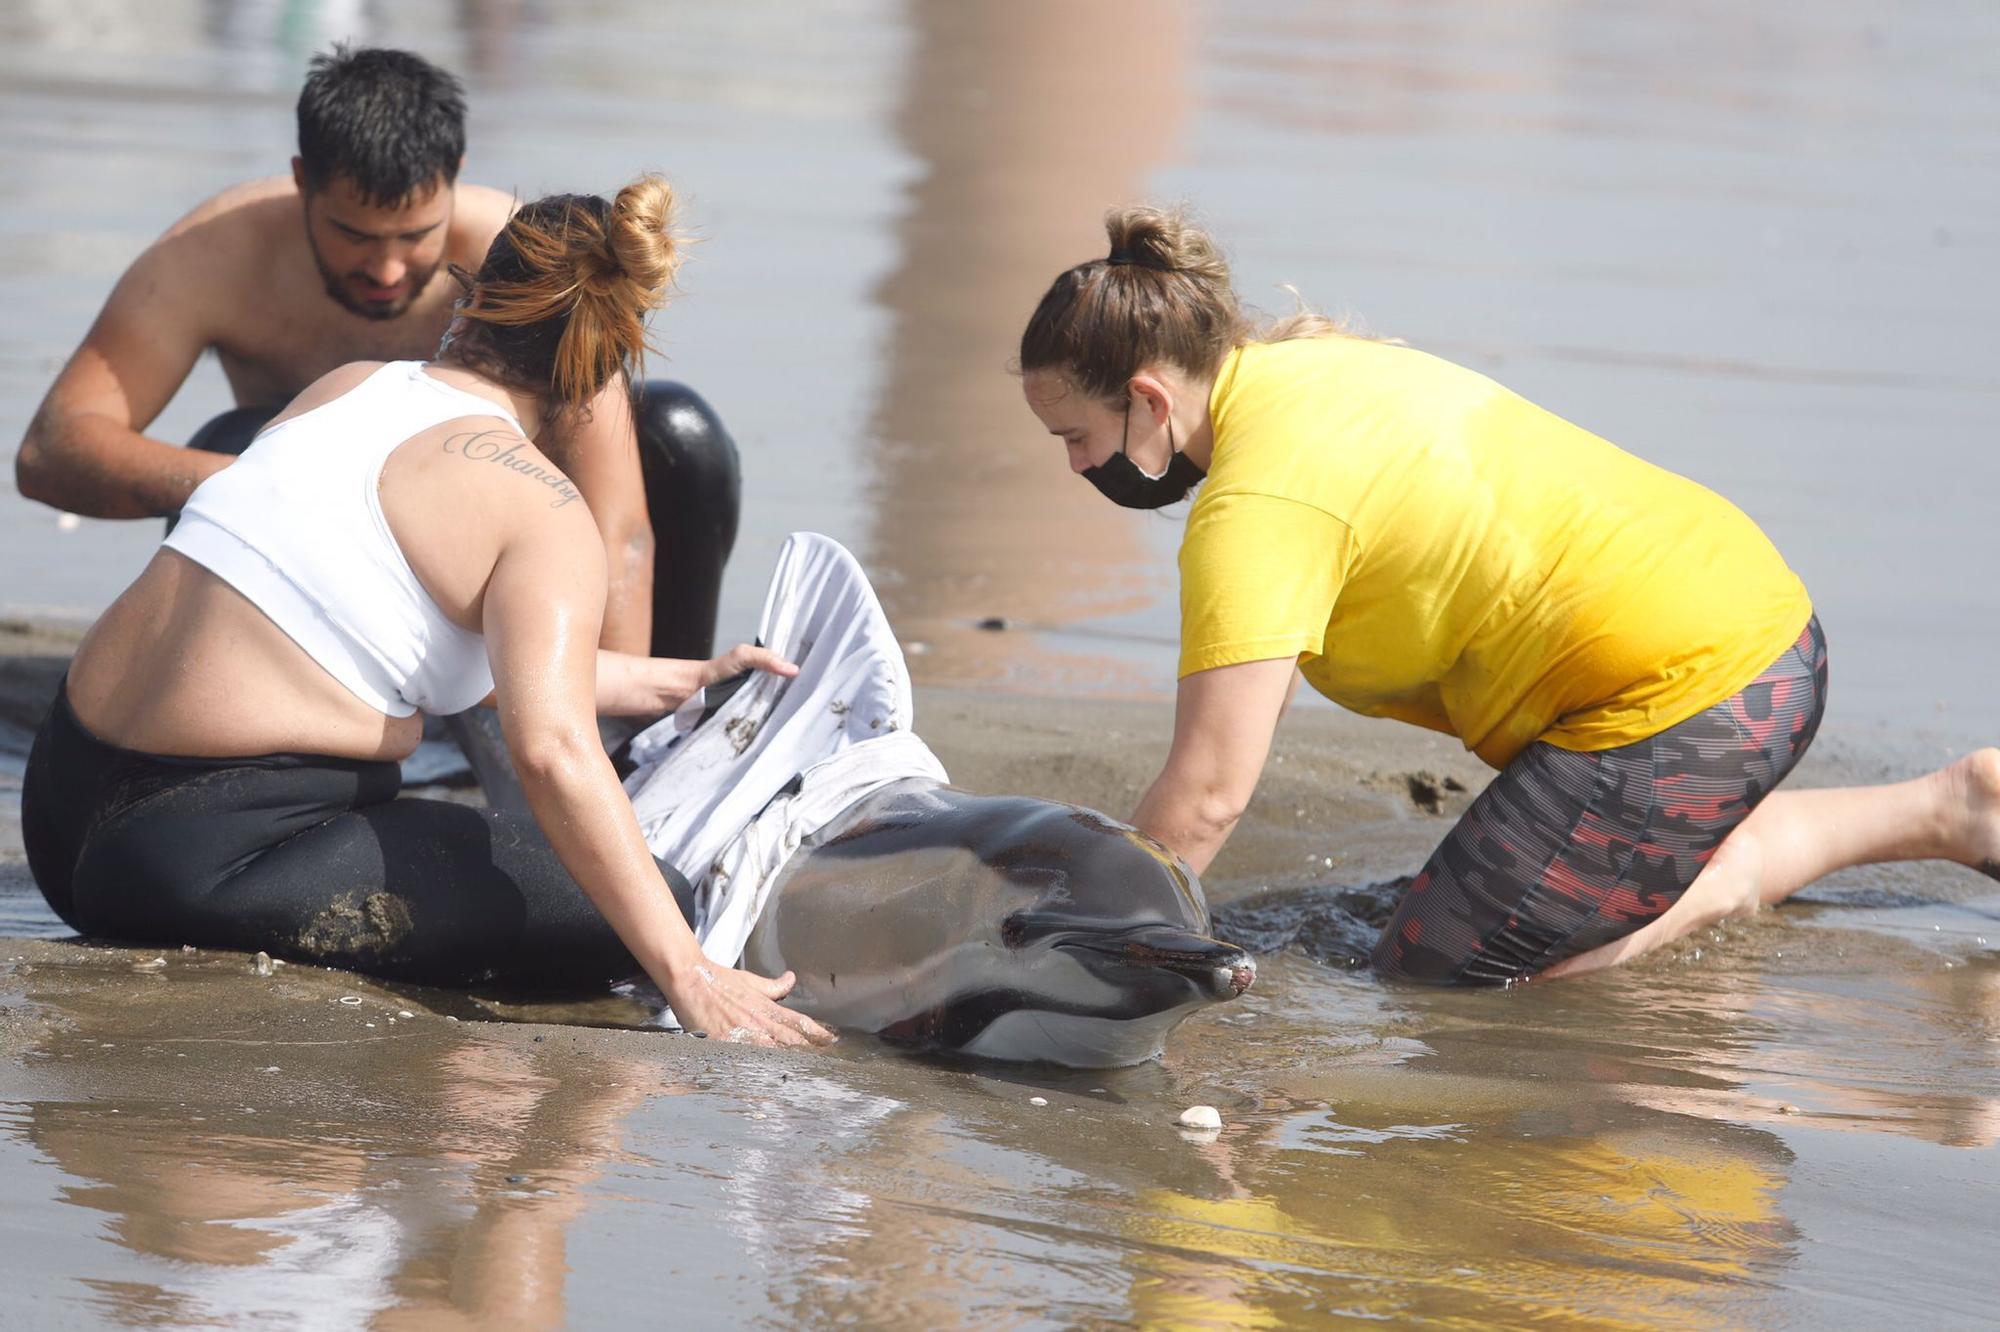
point(504, 448)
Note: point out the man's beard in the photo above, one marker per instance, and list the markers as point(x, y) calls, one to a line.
point(337, 287)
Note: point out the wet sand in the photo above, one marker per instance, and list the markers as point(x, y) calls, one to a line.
point(1724, 1133)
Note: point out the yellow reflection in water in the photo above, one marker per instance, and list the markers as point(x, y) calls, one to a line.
point(1622, 1227)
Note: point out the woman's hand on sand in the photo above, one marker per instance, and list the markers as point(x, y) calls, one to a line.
point(741, 658)
point(733, 1005)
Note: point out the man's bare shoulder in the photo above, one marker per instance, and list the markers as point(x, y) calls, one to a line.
point(255, 210)
point(478, 212)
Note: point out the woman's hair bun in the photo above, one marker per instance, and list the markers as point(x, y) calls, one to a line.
point(568, 283)
point(640, 238)
point(1164, 239)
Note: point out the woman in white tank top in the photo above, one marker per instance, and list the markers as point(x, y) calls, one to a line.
point(220, 767)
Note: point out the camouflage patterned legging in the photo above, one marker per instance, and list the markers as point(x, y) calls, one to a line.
point(1565, 851)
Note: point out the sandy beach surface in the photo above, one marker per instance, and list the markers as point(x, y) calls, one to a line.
point(1752, 243)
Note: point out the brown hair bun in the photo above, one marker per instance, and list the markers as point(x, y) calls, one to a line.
point(1164, 239)
point(1162, 295)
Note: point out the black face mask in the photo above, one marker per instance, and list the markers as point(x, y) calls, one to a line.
point(1119, 479)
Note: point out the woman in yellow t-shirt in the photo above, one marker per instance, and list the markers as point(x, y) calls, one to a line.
point(1626, 647)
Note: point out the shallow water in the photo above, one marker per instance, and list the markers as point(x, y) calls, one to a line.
point(1758, 1133)
point(1755, 245)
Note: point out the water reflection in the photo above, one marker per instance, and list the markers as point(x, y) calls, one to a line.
point(1588, 1152)
point(1029, 120)
point(447, 1192)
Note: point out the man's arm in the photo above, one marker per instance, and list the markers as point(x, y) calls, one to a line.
point(1223, 722)
point(84, 450)
point(601, 454)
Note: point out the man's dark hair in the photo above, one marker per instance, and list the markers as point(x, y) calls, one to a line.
point(389, 121)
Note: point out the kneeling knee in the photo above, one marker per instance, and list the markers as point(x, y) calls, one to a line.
point(677, 426)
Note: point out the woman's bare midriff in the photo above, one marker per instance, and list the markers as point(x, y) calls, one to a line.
point(182, 664)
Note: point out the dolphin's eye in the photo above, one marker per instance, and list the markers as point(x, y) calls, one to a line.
point(1025, 927)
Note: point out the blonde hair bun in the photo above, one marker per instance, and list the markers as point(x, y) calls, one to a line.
point(641, 240)
point(568, 283)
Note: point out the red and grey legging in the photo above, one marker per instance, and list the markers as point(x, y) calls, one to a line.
point(1565, 851)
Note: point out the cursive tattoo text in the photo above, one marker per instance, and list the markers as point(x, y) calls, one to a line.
point(504, 448)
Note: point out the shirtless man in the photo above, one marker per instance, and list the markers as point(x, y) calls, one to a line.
point(347, 259)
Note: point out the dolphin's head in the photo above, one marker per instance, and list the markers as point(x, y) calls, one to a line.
point(1109, 953)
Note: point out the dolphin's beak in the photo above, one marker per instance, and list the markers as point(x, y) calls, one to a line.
point(1219, 970)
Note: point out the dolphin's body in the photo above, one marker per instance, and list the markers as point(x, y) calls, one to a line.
point(996, 926)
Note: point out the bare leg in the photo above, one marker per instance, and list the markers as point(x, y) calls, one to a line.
point(1796, 837)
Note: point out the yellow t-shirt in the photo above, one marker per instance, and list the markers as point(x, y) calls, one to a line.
point(1437, 549)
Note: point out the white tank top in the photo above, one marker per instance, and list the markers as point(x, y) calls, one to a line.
point(296, 526)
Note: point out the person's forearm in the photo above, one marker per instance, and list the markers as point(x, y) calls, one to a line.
point(630, 686)
point(91, 465)
point(1191, 823)
point(580, 808)
point(628, 596)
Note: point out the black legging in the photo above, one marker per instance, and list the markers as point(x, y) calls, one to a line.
point(694, 491)
point(305, 857)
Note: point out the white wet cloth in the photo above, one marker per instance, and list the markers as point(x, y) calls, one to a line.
point(729, 803)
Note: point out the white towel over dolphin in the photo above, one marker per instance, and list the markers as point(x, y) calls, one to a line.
point(727, 802)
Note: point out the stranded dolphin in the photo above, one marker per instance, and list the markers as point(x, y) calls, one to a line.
point(821, 836)
point(998, 926)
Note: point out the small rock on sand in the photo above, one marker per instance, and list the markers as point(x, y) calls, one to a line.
point(261, 964)
point(1201, 1117)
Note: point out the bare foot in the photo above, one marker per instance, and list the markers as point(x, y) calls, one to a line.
point(1731, 884)
point(1975, 780)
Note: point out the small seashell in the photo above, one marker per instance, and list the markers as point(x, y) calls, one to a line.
point(1788, 1110)
point(1038, 1100)
point(261, 964)
point(351, 1000)
point(404, 1013)
point(1201, 1117)
point(155, 964)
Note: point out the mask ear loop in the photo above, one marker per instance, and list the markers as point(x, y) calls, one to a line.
point(1125, 438)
